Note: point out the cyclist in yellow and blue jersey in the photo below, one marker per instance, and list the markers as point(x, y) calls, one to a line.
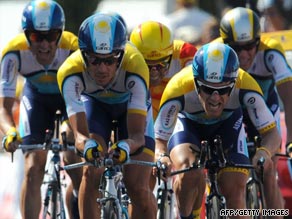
point(106, 80)
point(36, 55)
point(264, 59)
point(164, 56)
point(200, 102)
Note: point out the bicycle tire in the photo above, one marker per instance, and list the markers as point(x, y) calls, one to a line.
point(110, 211)
point(161, 202)
point(165, 204)
point(213, 208)
point(53, 204)
point(254, 199)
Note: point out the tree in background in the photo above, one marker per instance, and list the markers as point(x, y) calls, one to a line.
point(76, 11)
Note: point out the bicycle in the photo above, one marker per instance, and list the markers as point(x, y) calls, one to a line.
point(164, 195)
point(212, 159)
point(254, 187)
point(114, 200)
point(53, 202)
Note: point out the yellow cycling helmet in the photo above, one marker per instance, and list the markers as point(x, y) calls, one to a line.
point(153, 39)
point(240, 25)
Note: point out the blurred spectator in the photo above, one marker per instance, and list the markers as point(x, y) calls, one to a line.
point(275, 14)
point(187, 14)
point(210, 31)
point(190, 34)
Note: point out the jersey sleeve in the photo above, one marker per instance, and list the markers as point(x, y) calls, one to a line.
point(186, 52)
point(172, 102)
point(10, 65)
point(69, 41)
point(71, 84)
point(137, 80)
point(276, 62)
point(252, 99)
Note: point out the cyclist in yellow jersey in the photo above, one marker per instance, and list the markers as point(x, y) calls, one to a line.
point(163, 55)
point(36, 55)
point(265, 60)
point(106, 80)
point(200, 102)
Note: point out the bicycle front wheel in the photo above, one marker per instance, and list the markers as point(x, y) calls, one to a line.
point(165, 204)
point(213, 208)
point(254, 199)
point(53, 204)
point(111, 211)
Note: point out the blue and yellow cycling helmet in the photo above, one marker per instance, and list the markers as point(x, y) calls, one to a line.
point(102, 33)
point(240, 25)
point(43, 15)
point(215, 62)
point(118, 16)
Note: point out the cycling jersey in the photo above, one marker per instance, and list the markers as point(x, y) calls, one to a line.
point(17, 58)
point(269, 69)
point(130, 86)
point(41, 96)
point(180, 95)
point(182, 56)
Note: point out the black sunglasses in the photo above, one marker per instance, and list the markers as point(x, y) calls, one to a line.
point(162, 65)
point(39, 36)
point(246, 47)
point(208, 89)
point(92, 59)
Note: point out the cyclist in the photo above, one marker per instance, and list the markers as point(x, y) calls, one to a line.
point(35, 54)
point(204, 100)
point(163, 55)
point(264, 59)
point(106, 80)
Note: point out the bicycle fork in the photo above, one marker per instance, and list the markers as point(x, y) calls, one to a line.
point(110, 194)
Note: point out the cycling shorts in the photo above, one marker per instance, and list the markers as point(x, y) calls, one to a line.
point(100, 116)
point(231, 131)
point(37, 114)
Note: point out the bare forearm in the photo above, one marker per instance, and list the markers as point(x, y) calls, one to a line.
point(271, 140)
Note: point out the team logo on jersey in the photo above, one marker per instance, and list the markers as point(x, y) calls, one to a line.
point(251, 100)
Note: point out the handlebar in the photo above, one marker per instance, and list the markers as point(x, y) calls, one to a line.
point(54, 147)
point(108, 162)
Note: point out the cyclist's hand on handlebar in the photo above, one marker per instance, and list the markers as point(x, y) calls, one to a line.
point(120, 151)
point(262, 154)
point(11, 140)
point(165, 166)
point(92, 150)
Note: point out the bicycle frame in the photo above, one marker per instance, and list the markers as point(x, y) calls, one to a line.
point(254, 187)
point(54, 187)
point(111, 186)
point(165, 200)
point(53, 202)
point(212, 159)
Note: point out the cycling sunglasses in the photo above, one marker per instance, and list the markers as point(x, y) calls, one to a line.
point(162, 65)
point(246, 47)
point(94, 60)
point(39, 36)
point(208, 89)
